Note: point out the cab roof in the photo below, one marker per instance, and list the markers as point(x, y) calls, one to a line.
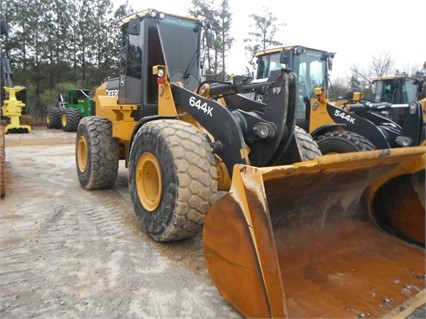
point(146, 12)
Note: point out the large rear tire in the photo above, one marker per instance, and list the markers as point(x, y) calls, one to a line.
point(97, 153)
point(172, 179)
point(53, 118)
point(343, 142)
point(70, 119)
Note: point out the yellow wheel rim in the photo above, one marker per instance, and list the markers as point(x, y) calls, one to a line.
point(82, 154)
point(48, 119)
point(148, 181)
point(64, 120)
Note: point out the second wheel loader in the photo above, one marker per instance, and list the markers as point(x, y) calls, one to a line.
point(353, 126)
point(286, 232)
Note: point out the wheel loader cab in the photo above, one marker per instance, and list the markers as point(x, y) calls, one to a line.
point(311, 67)
point(396, 89)
point(153, 38)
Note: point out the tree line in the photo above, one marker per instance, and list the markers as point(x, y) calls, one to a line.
point(54, 45)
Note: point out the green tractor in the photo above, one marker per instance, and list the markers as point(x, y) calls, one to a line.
point(68, 113)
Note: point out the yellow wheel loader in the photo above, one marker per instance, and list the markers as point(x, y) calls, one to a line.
point(286, 232)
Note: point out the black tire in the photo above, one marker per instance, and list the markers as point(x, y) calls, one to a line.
point(343, 142)
point(308, 148)
point(70, 119)
point(172, 179)
point(97, 153)
point(53, 118)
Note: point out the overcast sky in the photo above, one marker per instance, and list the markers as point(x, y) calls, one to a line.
point(356, 30)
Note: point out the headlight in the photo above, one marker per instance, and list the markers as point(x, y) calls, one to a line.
point(404, 141)
point(160, 73)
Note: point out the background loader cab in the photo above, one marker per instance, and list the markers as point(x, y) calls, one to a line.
point(338, 127)
point(311, 67)
point(399, 91)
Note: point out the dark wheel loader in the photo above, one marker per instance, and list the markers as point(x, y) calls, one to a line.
point(295, 234)
point(351, 126)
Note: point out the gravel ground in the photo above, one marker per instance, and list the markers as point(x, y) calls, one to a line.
point(69, 253)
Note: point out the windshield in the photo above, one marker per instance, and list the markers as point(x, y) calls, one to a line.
point(395, 91)
point(268, 63)
point(310, 68)
point(180, 41)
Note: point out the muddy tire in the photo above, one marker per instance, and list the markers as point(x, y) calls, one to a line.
point(97, 153)
point(172, 179)
point(343, 142)
point(309, 149)
point(70, 119)
point(53, 118)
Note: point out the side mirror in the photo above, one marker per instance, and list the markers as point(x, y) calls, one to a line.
point(4, 28)
point(283, 57)
point(330, 64)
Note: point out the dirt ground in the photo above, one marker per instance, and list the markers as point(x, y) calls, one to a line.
point(69, 253)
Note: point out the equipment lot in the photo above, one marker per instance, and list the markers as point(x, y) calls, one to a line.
point(70, 253)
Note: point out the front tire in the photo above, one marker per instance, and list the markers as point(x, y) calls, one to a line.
point(97, 153)
point(343, 142)
point(172, 179)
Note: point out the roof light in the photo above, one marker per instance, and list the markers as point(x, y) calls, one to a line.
point(300, 50)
